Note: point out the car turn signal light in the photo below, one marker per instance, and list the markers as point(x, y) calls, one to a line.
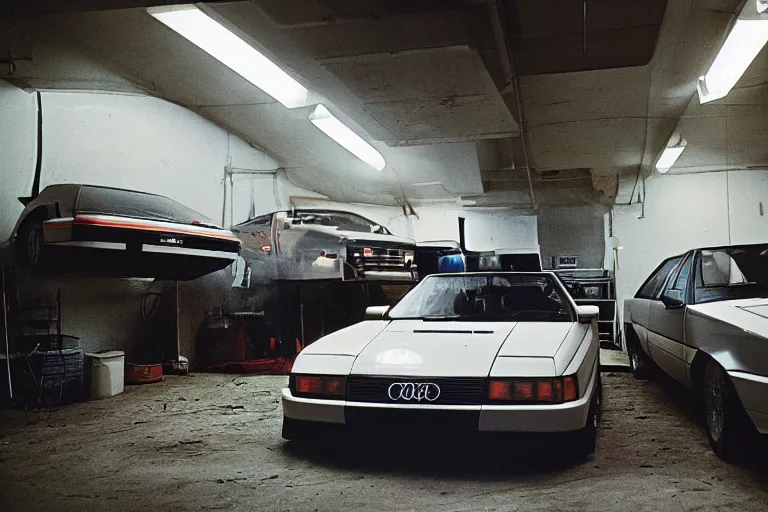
point(318, 385)
point(548, 390)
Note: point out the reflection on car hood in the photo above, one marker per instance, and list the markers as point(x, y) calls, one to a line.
point(435, 349)
point(354, 235)
point(748, 314)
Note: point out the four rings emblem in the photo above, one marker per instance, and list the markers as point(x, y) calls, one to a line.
point(416, 391)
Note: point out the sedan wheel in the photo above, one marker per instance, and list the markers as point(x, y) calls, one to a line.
point(638, 362)
point(29, 244)
point(34, 245)
point(714, 403)
point(729, 429)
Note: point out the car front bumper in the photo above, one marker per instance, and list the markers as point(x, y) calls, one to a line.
point(565, 417)
point(752, 390)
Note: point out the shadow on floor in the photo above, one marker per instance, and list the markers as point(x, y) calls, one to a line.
point(448, 456)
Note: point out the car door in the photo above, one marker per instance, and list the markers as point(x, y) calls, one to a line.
point(639, 308)
point(666, 325)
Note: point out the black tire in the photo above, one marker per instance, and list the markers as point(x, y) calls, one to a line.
point(729, 429)
point(584, 441)
point(29, 244)
point(293, 430)
point(639, 363)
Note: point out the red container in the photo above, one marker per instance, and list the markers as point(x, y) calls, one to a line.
point(143, 373)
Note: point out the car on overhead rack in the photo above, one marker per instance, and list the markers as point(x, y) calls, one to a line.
point(702, 317)
point(483, 352)
point(88, 230)
point(324, 244)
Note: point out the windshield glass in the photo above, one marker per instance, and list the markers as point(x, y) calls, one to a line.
point(138, 205)
point(732, 273)
point(342, 221)
point(495, 297)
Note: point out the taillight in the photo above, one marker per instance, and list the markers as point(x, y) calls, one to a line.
point(571, 389)
point(318, 385)
point(539, 390)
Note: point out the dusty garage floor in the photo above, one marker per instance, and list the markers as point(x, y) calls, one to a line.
point(211, 442)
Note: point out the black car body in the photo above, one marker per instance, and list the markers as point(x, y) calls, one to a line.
point(74, 229)
point(324, 244)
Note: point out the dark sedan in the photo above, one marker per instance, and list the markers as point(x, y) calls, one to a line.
point(73, 229)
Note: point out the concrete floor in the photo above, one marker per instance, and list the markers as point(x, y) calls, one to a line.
point(212, 442)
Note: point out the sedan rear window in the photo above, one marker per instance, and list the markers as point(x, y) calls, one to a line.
point(486, 297)
point(137, 205)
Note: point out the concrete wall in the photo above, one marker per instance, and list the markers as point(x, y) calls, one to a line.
point(684, 212)
point(135, 142)
point(18, 129)
point(573, 231)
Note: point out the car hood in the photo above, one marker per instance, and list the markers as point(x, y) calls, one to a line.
point(354, 236)
point(455, 349)
point(748, 314)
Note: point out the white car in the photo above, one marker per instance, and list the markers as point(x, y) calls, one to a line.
point(702, 317)
point(490, 352)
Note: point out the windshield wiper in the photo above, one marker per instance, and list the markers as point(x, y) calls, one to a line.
point(440, 318)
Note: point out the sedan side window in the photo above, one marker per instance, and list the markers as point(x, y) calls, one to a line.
point(681, 281)
point(652, 287)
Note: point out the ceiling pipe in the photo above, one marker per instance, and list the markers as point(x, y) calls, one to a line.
point(510, 76)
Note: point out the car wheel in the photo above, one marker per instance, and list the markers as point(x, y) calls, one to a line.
point(293, 429)
point(585, 440)
point(29, 244)
point(729, 429)
point(639, 363)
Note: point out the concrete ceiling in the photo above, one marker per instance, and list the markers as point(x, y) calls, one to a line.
point(427, 82)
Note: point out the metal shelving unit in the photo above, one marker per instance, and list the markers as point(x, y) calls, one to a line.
point(595, 287)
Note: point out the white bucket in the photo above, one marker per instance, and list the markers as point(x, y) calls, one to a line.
point(107, 373)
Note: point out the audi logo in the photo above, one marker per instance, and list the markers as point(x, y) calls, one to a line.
point(417, 391)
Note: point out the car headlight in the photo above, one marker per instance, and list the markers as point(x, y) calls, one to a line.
point(317, 386)
point(534, 391)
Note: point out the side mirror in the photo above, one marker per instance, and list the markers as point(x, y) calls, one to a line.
point(376, 312)
point(587, 313)
point(672, 300)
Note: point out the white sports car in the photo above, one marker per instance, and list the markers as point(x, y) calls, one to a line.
point(492, 352)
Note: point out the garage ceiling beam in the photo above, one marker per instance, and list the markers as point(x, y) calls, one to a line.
point(33, 7)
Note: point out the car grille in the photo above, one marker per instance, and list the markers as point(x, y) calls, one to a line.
point(382, 258)
point(411, 419)
point(453, 390)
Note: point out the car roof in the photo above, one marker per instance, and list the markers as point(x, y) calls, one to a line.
point(78, 185)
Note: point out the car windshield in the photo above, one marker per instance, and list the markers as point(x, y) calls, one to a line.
point(492, 297)
point(732, 273)
point(138, 205)
point(342, 221)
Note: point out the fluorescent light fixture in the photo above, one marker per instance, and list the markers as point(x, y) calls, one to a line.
point(670, 156)
point(348, 139)
point(744, 42)
point(239, 56)
point(427, 184)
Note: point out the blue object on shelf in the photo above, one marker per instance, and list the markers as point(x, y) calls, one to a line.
point(451, 263)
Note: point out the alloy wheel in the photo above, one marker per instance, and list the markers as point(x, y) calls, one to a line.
point(715, 405)
point(33, 245)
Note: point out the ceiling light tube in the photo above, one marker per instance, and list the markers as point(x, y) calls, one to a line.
point(232, 51)
point(669, 156)
point(345, 137)
point(744, 42)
